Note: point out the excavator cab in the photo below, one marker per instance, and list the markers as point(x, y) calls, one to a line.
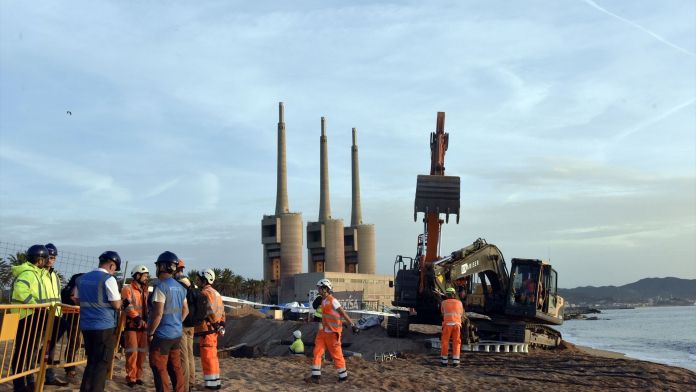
point(533, 292)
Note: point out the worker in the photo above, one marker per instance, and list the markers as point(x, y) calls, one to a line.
point(297, 347)
point(329, 336)
point(316, 304)
point(452, 314)
point(135, 300)
point(209, 330)
point(167, 310)
point(99, 299)
point(27, 288)
point(72, 319)
point(187, 360)
point(53, 286)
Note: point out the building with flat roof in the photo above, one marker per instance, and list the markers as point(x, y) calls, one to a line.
point(354, 291)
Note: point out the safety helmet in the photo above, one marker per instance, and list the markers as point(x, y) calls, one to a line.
point(169, 259)
point(180, 265)
point(52, 250)
point(451, 290)
point(110, 255)
point(326, 283)
point(297, 334)
point(35, 252)
point(139, 269)
point(207, 275)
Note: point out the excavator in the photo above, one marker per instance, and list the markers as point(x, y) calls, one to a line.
point(514, 306)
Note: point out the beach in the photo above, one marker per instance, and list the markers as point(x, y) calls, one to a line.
point(568, 368)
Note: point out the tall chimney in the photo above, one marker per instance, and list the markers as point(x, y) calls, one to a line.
point(356, 214)
point(324, 206)
point(282, 186)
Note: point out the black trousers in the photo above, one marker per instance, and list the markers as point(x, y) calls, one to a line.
point(99, 348)
point(59, 327)
point(23, 357)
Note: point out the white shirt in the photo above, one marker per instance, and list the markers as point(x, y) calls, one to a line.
point(112, 292)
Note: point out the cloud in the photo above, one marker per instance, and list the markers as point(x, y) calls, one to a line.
point(641, 28)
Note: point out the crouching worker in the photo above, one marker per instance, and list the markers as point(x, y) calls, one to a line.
point(134, 297)
point(297, 347)
point(452, 314)
point(168, 308)
point(209, 329)
point(329, 335)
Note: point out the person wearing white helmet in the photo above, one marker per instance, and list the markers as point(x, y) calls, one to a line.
point(297, 347)
point(134, 297)
point(329, 335)
point(209, 329)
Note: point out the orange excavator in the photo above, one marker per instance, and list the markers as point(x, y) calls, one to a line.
point(514, 307)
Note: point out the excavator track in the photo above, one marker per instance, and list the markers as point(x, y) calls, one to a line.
point(543, 336)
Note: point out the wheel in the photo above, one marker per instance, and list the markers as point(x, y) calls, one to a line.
point(397, 327)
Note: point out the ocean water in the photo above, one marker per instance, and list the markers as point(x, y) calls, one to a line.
point(660, 334)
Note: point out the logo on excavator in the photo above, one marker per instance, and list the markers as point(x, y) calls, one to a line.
point(468, 266)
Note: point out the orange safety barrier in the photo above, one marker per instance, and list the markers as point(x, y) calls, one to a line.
point(26, 342)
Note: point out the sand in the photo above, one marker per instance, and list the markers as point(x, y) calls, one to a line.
point(568, 368)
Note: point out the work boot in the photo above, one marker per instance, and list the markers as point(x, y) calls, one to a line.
point(131, 384)
point(57, 382)
point(139, 382)
point(313, 379)
point(343, 379)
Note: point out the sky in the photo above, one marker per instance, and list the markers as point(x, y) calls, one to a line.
point(149, 126)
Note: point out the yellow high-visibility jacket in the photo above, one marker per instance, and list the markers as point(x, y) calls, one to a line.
point(52, 284)
point(28, 287)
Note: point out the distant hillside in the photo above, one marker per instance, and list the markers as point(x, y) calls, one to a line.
point(643, 291)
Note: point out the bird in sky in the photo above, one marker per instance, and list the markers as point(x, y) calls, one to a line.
point(69, 113)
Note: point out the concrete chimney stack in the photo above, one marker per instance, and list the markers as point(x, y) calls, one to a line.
point(324, 205)
point(356, 211)
point(282, 186)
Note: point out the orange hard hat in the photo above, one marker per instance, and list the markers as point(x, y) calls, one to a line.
point(181, 264)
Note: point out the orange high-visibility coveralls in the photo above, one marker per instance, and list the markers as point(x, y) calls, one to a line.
point(452, 311)
point(329, 338)
point(135, 332)
point(208, 337)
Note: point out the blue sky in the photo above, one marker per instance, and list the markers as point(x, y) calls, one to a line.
point(572, 125)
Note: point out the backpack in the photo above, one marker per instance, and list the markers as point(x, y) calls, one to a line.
point(67, 290)
point(197, 305)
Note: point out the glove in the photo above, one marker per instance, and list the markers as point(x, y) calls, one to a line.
point(355, 329)
point(220, 329)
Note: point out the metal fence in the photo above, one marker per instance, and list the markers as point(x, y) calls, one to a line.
point(34, 338)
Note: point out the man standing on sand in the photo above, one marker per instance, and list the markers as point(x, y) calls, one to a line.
point(136, 293)
point(99, 299)
point(329, 335)
point(452, 314)
point(209, 329)
point(187, 359)
point(167, 309)
point(53, 287)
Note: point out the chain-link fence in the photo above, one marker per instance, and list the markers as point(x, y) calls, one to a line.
point(67, 264)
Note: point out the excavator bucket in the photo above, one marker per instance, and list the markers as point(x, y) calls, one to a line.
point(438, 194)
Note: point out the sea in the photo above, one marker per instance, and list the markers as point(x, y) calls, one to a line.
point(658, 334)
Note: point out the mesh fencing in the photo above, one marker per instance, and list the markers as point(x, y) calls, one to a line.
point(67, 263)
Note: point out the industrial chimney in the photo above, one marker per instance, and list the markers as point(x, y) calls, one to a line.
point(281, 234)
point(359, 238)
point(325, 237)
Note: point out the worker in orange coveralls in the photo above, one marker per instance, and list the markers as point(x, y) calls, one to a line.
point(329, 335)
point(452, 314)
point(136, 324)
point(209, 329)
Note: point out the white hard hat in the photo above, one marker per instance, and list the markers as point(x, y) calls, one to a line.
point(208, 275)
point(325, 282)
point(139, 269)
point(297, 334)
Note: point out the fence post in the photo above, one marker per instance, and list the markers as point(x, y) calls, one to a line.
point(47, 338)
